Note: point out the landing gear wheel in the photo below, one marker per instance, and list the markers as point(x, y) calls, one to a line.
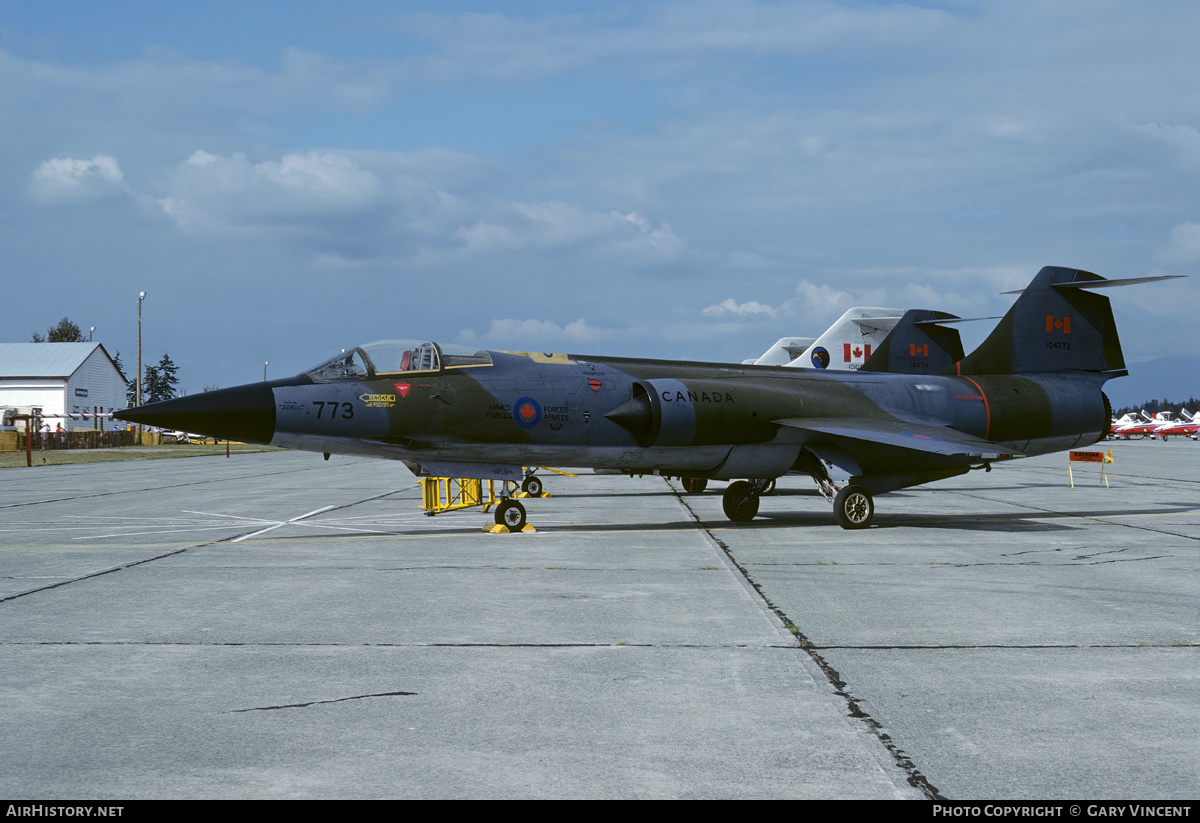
point(854, 508)
point(532, 485)
point(740, 502)
point(694, 485)
point(511, 514)
point(769, 488)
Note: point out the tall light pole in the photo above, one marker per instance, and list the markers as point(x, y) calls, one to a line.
point(141, 297)
point(90, 332)
point(265, 371)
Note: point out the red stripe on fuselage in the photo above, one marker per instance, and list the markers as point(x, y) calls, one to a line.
point(987, 412)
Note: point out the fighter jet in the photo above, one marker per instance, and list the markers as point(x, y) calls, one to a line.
point(844, 345)
point(847, 344)
point(1032, 387)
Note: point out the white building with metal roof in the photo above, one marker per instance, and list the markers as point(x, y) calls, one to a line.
point(61, 378)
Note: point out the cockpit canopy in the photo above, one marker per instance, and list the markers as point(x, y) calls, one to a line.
point(388, 357)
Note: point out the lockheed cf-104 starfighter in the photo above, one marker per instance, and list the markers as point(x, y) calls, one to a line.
point(915, 412)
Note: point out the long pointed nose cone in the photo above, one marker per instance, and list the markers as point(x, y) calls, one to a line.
point(243, 413)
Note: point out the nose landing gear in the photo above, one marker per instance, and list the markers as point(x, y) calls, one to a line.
point(510, 514)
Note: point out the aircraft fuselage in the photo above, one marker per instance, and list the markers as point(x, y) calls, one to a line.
point(706, 420)
point(922, 412)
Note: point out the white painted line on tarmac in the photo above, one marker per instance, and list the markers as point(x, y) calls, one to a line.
point(282, 523)
point(239, 517)
point(158, 532)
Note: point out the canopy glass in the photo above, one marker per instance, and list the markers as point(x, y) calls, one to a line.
point(385, 357)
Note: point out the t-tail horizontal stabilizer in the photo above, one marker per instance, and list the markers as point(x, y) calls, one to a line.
point(1056, 325)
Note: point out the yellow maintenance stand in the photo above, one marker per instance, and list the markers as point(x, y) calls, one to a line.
point(441, 494)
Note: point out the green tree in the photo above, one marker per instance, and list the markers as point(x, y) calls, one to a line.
point(150, 385)
point(64, 331)
point(130, 385)
point(159, 382)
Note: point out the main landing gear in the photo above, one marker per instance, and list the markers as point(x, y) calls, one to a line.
point(740, 500)
point(853, 506)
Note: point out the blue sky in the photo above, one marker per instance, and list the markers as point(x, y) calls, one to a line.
point(666, 179)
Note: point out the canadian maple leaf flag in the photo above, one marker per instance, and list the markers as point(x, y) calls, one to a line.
point(856, 355)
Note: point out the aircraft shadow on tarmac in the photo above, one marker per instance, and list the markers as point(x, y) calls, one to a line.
point(1021, 522)
point(999, 522)
point(460, 528)
point(606, 495)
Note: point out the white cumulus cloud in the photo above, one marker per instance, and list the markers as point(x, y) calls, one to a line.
point(819, 299)
point(1183, 245)
point(74, 180)
point(531, 335)
point(558, 226)
point(730, 306)
point(210, 191)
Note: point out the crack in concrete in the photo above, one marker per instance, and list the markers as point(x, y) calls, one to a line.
point(90, 575)
point(318, 702)
point(230, 539)
point(915, 778)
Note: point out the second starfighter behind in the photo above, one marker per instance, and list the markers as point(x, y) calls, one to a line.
point(1032, 387)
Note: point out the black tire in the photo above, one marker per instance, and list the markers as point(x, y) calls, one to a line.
point(694, 485)
point(532, 485)
point(740, 502)
point(510, 514)
point(854, 508)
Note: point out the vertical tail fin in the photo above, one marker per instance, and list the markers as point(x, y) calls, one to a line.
point(917, 345)
point(848, 342)
point(785, 350)
point(1056, 325)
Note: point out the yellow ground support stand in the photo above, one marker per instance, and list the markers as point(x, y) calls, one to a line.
point(441, 494)
point(1089, 457)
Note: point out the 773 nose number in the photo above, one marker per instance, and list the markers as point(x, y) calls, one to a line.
point(328, 410)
